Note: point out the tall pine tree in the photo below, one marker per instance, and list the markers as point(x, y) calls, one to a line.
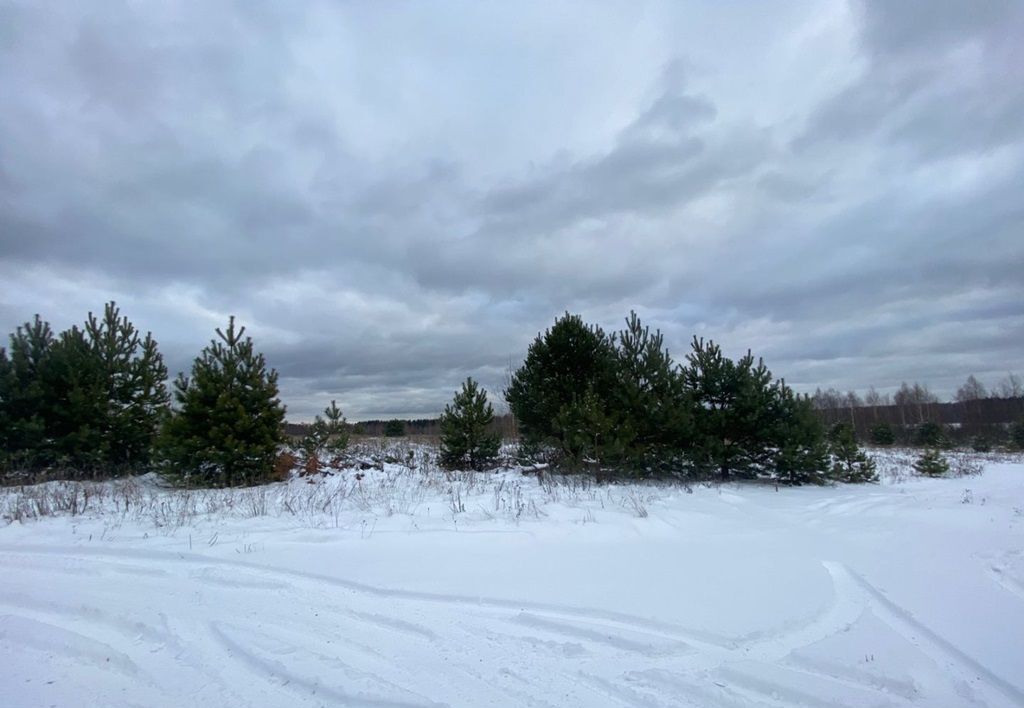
point(73, 383)
point(798, 443)
point(227, 426)
point(135, 393)
point(22, 399)
point(651, 395)
point(569, 368)
point(732, 406)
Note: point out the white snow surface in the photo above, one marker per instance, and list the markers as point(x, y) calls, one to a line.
point(407, 588)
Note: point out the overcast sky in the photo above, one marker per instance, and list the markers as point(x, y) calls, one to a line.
point(394, 196)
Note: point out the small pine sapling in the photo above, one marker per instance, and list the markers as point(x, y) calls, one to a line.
point(1017, 434)
point(931, 463)
point(467, 438)
point(882, 434)
point(327, 434)
point(849, 463)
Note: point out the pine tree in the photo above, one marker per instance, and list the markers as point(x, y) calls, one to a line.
point(881, 434)
point(655, 409)
point(1017, 434)
point(732, 405)
point(930, 434)
point(5, 421)
point(337, 428)
point(931, 463)
point(327, 433)
point(467, 440)
point(394, 428)
point(135, 395)
point(569, 362)
point(800, 455)
point(22, 399)
point(228, 423)
point(849, 462)
point(73, 385)
point(589, 434)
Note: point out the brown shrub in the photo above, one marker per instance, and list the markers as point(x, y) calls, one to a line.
point(283, 466)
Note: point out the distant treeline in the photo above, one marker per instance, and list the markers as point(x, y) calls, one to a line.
point(504, 425)
point(962, 420)
point(975, 411)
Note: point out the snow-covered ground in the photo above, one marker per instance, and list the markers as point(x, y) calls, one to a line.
point(409, 588)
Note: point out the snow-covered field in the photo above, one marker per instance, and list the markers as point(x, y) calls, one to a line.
point(407, 588)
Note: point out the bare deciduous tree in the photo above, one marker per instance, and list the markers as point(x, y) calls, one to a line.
point(972, 390)
point(1010, 387)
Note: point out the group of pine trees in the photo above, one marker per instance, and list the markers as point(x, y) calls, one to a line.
point(93, 400)
point(584, 399)
point(89, 398)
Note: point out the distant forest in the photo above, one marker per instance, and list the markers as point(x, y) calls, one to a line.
point(426, 427)
point(976, 411)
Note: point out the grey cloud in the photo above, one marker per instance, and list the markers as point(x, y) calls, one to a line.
point(391, 200)
point(942, 78)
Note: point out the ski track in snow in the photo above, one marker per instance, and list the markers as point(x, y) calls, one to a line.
point(317, 640)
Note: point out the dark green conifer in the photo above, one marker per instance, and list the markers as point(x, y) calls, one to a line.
point(882, 434)
point(732, 410)
point(73, 383)
point(394, 428)
point(931, 463)
point(655, 419)
point(22, 397)
point(568, 376)
point(930, 434)
point(467, 438)
point(135, 396)
point(849, 462)
point(326, 434)
point(800, 454)
point(227, 425)
point(1017, 434)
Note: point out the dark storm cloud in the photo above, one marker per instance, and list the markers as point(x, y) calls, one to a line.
point(393, 199)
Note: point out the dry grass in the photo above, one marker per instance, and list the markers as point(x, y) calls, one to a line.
point(381, 478)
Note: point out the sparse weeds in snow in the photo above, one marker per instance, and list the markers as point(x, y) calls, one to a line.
point(380, 479)
point(635, 502)
point(455, 503)
point(48, 499)
point(964, 464)
point(896, 465)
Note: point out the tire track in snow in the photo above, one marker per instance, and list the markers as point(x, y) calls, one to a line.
point(843, 610)
point(670, 630)
point(25, 632)
point(308, 687)
point(63, 615)
point(1006, 582)
point(597, 632)
point(618, 639)
point(942, 651)
point(288, 618)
